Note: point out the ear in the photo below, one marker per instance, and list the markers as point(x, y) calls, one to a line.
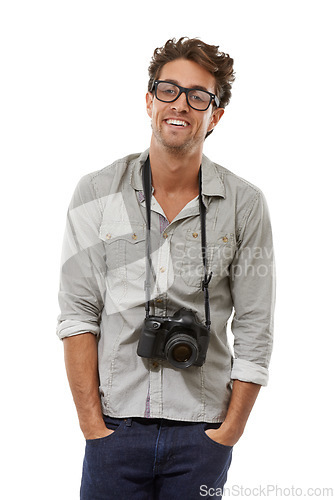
point(149, 103)
point(215, 117)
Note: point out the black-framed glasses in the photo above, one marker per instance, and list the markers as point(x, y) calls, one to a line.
point(196, 98)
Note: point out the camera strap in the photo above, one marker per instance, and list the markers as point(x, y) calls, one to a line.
point(207, 278)
point(147, 186)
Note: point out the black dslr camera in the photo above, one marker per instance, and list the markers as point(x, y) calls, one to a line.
point(181, 339)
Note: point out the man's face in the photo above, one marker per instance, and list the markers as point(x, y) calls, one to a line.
point(191, 126)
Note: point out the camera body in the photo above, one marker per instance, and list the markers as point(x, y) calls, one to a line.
point(181, 339)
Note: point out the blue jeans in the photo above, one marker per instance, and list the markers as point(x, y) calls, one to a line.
point(150, 459)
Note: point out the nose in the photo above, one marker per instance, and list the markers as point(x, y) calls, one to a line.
point(181, 103)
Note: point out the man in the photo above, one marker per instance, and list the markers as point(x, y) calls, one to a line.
point(162, 423)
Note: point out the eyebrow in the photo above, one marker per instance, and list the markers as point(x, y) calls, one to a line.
point(199, 87)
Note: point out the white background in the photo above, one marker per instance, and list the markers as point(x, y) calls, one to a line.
point(73, 83)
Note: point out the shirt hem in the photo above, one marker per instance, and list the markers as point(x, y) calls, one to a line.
point(165, 417)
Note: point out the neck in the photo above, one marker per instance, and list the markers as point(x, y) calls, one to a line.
point(174, 172)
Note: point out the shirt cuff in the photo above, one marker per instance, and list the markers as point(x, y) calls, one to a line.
point(69, 328)
point(246, 371)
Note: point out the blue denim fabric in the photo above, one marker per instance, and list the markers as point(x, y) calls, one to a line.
point(150, 459)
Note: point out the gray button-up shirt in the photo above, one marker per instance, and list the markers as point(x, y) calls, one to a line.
point(102, 288)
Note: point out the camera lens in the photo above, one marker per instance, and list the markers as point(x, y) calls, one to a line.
point(181, 350)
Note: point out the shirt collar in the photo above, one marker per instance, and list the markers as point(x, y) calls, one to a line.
point(213, 177)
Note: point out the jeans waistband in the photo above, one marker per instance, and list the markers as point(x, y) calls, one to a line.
point(153, 421)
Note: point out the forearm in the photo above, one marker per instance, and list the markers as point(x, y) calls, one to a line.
point(82, 371)
point(243, 397)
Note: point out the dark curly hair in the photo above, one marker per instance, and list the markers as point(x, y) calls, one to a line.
point(219, 64)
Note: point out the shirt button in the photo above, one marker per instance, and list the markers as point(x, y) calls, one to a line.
point(225, 239)
point(162, 269)
point(108, 236)
point(165, 235)
point(155, 364)
point(195, 235)
point(134, 236)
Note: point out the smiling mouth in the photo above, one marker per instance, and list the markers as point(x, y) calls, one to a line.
point(177, 123)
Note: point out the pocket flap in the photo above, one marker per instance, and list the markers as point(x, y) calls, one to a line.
point(114, 231)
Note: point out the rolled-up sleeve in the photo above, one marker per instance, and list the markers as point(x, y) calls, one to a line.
point(252, 283)
point(82, 278)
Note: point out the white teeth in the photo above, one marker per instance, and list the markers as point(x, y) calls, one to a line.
point(177, 122)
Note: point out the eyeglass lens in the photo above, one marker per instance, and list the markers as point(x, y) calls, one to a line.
point(197, 99)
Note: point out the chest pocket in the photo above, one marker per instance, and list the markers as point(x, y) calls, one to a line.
point(220, 252)
point(124, 249)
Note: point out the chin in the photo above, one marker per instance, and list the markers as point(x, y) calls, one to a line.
point(180, 148)
point(173, 145)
